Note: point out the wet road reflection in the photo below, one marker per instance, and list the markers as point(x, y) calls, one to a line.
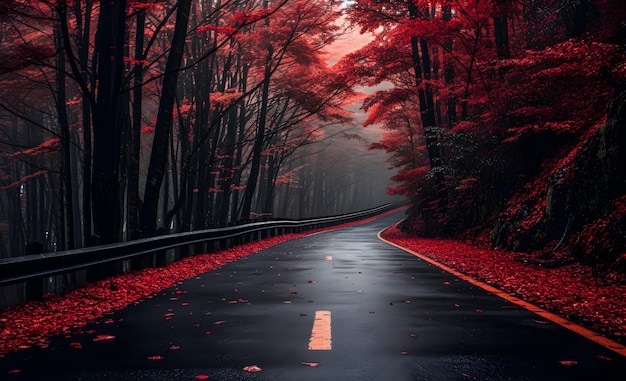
point(382, 313)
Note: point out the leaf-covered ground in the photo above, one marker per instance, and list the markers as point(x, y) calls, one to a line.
point(35, 322)
point(569, 291)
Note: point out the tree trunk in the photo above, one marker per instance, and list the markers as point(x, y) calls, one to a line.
point(67, 212)
point(134, 138)
point(422, 73)
point(259, 139)
point(241, 136)
point(83, 57)
point(448, 72)
point(158, 157)
point(501, 31)
point(107, 133)
point(226, 177)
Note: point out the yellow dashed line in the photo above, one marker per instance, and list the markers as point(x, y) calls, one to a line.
point(321, 338)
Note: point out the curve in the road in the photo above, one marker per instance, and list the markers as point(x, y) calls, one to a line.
point(585, 332)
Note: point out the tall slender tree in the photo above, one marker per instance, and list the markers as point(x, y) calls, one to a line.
point(158, 157)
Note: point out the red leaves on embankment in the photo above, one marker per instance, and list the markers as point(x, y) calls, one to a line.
point(34, 322)
point(569, 291)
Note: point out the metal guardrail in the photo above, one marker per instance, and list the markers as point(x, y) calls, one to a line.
point(32, 269)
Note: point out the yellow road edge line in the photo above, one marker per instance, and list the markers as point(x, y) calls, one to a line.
point(321, 338)
point(585, 332)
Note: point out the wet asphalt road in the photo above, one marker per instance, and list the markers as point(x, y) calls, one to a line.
point(393, 317)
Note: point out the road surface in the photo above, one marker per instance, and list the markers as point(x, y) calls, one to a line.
point(340, 305)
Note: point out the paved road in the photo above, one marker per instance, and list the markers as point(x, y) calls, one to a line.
point(392, 316)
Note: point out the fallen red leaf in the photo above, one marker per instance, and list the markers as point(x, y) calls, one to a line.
point(252, 369)
point(174, 347)
point(568, 362)
point(311, 364)
point(202, 377)
point(103, 337)
point(157, 357)
point(602, 357)
point(220, 322)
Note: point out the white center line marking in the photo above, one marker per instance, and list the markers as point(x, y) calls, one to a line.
point(321, 333)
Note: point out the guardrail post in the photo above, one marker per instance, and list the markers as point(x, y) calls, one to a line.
point(160, 257)
point(34, 287)
point(208, 246)
point(141, 261)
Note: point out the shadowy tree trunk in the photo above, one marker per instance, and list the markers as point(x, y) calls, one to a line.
point(66, 236)
point(107, 133)
point(158, 157)
point(134, 138)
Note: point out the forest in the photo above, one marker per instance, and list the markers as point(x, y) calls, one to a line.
point(129, 119)
point(503, 120)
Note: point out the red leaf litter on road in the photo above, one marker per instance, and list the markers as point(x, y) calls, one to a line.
point(34, 322)
point(103, 337)
point(311, 364)
point(569, 291)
